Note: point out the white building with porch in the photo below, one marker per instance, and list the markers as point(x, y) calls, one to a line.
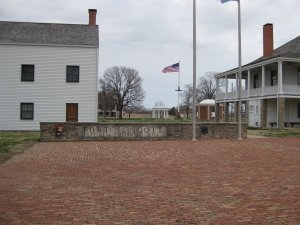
point(270, 85)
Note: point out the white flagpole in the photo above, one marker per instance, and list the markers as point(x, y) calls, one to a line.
point(194, 71)
point(178, 94)
point(240, 74)
point(178, 105)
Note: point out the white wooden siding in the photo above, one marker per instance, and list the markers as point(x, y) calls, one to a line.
point(254, 115)
point(292, 110)
point(49, 92)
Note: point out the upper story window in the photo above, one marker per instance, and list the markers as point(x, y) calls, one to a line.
point(273, 78)
point(27, 111)
point(256, 81)
point(27, 72)
point(73, 74)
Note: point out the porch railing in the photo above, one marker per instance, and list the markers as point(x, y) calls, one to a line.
point(257, 92)
point(291, 89)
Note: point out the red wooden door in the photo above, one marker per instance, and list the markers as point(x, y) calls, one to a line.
point(72, 112)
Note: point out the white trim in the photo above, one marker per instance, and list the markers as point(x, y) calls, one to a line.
point(257, 98)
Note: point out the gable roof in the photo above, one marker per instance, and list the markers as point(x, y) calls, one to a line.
point(290, 49)
point(48, 34)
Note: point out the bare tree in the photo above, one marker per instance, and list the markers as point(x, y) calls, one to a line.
point(126, 86)
point(207, 86)
point(159, 104)
point(106, 100)
point(187, 99)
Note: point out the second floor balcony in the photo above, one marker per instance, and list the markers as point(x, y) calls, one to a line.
point(293, 90)
point(263, 81)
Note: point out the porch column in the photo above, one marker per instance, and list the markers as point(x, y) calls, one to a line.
point(226, 111)
point(217, 86)
point(236, 112)
point(280, 83)
point(247, 112)
point(263, 80)
point(236, 85)
point(217, 112)
point(208, 112)
point(226, 87)
point(281, 113)
point(264, 113)
point(248, 83)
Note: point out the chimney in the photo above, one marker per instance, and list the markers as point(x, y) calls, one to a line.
point(268, 39)
point(92, 17)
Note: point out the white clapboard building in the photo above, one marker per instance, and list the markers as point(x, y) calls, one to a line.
point(48, 73)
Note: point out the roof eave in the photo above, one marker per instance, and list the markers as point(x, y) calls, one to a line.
point(258, 64)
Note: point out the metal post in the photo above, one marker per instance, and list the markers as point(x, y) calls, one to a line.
point(240, 73)
point(178, 90)
point(194, 70)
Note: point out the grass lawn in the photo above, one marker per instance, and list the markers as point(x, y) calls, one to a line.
point(143, 120)
point(12, 143)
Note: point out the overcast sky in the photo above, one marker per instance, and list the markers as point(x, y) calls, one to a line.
point(150, 34)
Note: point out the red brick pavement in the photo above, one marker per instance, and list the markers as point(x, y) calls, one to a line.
point(255, 181)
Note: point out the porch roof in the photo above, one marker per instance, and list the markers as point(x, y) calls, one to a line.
point(290, 50)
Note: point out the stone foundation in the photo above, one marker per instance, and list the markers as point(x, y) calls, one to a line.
point(136, 131)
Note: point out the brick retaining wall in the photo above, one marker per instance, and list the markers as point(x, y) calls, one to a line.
point(136, 131)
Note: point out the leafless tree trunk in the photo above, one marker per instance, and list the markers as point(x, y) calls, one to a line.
point(126, 86)
point(106, 99)
point(207, 86)
point(187, 99)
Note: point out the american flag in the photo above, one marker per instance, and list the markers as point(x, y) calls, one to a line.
point(172, 68)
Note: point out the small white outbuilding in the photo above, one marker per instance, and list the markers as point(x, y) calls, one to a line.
point(206, 110)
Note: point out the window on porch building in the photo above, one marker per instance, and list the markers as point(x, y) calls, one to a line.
point(298, 111)
point(256, 81)
point(273, 78)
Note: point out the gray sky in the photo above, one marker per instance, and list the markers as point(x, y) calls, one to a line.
point(150, 34)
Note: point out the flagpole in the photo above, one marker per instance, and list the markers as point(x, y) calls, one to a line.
point(178, 106)
point(240, 74)
point(178, 94)
point(194, 71)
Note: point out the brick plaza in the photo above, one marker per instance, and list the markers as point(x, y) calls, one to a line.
point(254, 181)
